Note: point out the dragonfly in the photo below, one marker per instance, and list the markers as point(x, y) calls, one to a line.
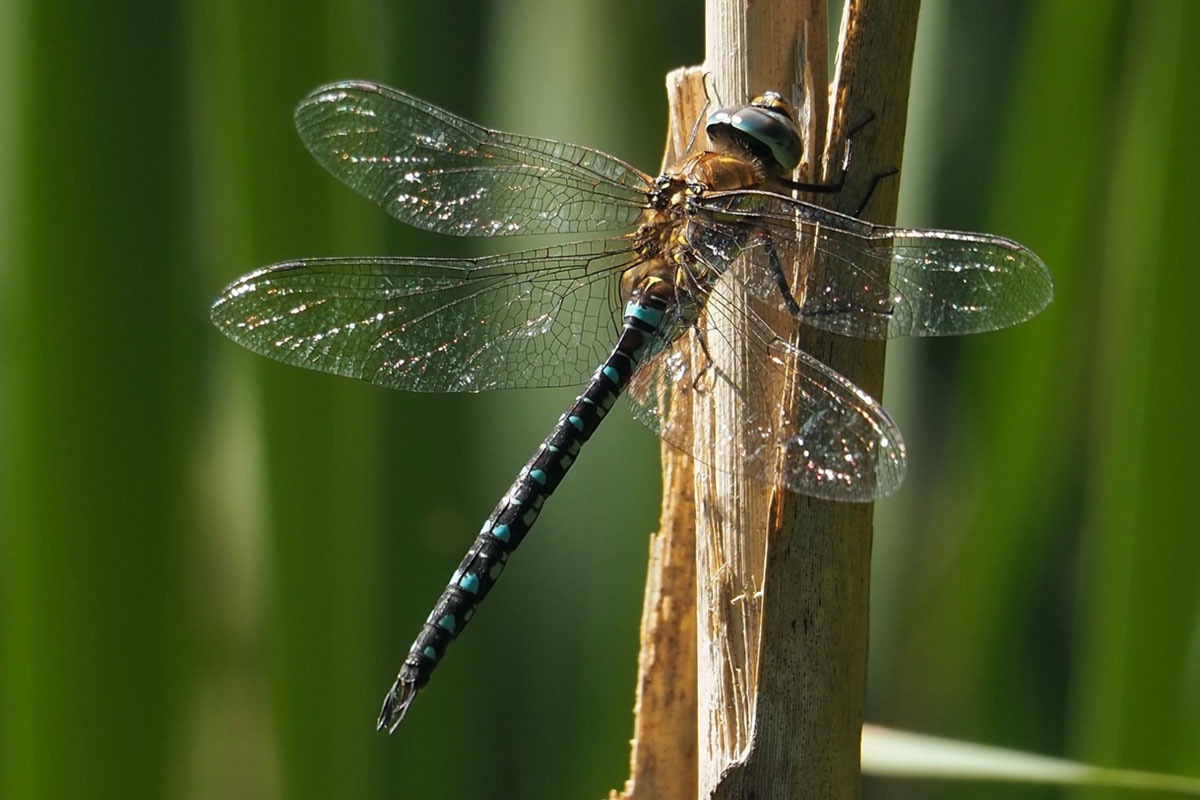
point(637, 307)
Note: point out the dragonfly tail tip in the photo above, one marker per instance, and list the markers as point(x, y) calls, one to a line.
point(395, 705)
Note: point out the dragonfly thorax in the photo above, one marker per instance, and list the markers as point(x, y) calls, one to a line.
point(662, 239)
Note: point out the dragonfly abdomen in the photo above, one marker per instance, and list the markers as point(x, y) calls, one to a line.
point(520, 506)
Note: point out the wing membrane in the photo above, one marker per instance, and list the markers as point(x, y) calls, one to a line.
point(874, 281)
point(540, 317)
point(837, 442)
point(437, 171)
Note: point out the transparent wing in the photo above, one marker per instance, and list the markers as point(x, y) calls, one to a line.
point(541, 317)
point(434, 170)
point(836, 442)
point(873, 281)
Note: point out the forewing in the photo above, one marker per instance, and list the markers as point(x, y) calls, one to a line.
point(437, 171)
point(873, 281)
point(541, 317)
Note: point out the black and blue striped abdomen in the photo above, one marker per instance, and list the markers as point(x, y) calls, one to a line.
point(518, 509)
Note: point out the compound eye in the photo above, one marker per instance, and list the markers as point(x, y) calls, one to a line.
point(722, 116)
point(773, 131)
point(764, 126)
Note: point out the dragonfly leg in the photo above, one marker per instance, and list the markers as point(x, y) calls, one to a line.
point(839, 183)
point(708, 361)
point(875, 179)
point(781, 280)
point(691, 142)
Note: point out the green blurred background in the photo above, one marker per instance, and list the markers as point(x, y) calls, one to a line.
point(211, 565)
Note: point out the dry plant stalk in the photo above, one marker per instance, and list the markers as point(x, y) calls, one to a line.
point(781, 635)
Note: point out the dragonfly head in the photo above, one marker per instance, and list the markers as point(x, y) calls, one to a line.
point(764, 130)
